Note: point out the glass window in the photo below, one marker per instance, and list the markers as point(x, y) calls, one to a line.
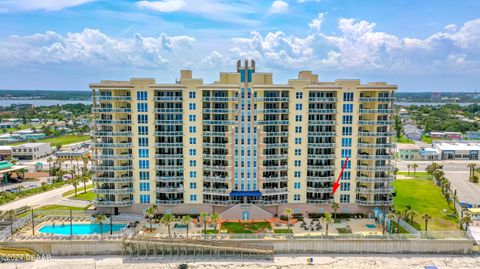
point(143, 153)
point(192, 129)
point(144, 186)
point(191, 94)
point(298, 129)
point(299, 95)
point(193, 185)
point(192, 117)
point(296, 185)
point(144, 198)
point(298, 106)
point(193, 140)
point(144, 164)
point(193, 197)
point(192, 106)
point(141, 95)
point(144, 175)
point(142, 130)
point(298, 118)
point(298, 152)
point(298, 141)
point(348, 96)
point(193, 152)
point(142, 118)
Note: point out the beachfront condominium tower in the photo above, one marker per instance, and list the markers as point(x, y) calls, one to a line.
point(190, 147)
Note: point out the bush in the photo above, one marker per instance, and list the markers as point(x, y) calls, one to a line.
point(316, 216)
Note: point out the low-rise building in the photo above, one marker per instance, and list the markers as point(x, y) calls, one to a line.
point(453, 135)
point(437, 134)
point(458, 150)
point(412, 132)
point(408, 152)
point(31, 151)
point(71, 155)
point(429, 154)
point(473, 135)
point(5, 152)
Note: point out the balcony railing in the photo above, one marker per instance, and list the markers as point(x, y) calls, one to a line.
point(320, 167)
point(169, 167)
point(322, 190)
point(375, 203)
point(375, 134)
point(169, 122)
point(169, 189)
point(376, 146)
point(113, 191)
point(272, 122)
point(112, 122)
point(168, 98)
point(219, 110)
point(111, 110)
point(219, 122)
point(113, 203)
point(375, 168)
point(271, 99)
point(274, 179)
point(275, 134)
point(375, 179)
point(271, 111)
point(99, 168)
point(376, 99)
point(112, 145)
point(377, 111)
point(322, 111)
point(321, 134)
point(219, 99)
point(111, 98)
point(217, 168)
point(216, 191)
point(169, 145)
point(216, 179)
point(321, 156)
point(218, 134)
point(274, 157)
point(375, 157)
point(168, 110)
point(216, 156)
point(169, 178)
point(320, 179)
point(275, 145)
point(112, 179)
point(168, 156)
point(275, 168)
point(322, 99)
point(215, 145)
point(111, 134)
point(375, 190)
point(112, 157)
point(274, 191)
point(168, 133)
point(169, 202)
point(375, 122)
point(321, 145)
point(321, 122)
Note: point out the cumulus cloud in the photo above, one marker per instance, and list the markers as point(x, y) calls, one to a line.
point(316, 24)
point(279, 7)
point(163, 6)
point(46, 5)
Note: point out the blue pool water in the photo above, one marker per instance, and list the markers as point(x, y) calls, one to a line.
point(80, 229)
point(370, 226)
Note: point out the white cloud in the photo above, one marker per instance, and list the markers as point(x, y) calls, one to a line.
point(450, 27)
point(163, 6)
point(279, 6)
point(316, 24)
point(46, 5)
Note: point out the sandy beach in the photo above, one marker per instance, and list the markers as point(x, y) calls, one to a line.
point(278, 262)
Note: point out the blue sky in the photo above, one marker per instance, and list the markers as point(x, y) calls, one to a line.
point(421, 45)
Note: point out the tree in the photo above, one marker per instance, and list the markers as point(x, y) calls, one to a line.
point(84, 179)
point(471, 167)
point(186, 220)
point(391, 216)
point(214, 218)
point(49, 161)
point(398, 127)
point(288, 212)
point(475, 179)
point(58, 146)
point(408, 167)
point(438, 174)
point(100, 218)
point(44, 185)
point(398, 214)
point(203, 219)
point(414, 166)
point(328, 220)
point(426, 218)
point(335, 206)
point(75, 184)
point(466, 219)
point(167, 219)
point(150, 214)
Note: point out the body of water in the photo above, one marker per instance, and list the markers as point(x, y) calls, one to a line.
point(37, 102)
point(429, 104)
point(79, 229)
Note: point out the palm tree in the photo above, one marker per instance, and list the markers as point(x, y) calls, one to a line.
point(398, 214)
point(11, 213)
point(150, 214)
point(186, 220)
point(391, 216)
point(335, 206)
point(203, 219)
point(328, 220)
point(288, 212)
point(409, 166)
point(471, 167)
point(75, 184)
point(167, 219)
point(414, 166)
point(426, 218)
point(84, 179)
point(44, 185)
point(100, 218)
point(438, 174)
point(214, 218)
point(466, 219)
point(49, 161)
point(412, 214)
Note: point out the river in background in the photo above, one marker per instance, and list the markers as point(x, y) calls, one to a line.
point(429, 104)
point(38, 102)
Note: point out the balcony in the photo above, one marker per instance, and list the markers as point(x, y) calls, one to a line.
point(321, 156)
point(169, 145)
point(217, 134)
point(375, 168)
point(168, 110)
point(216, 156)
point(320, 179)
point(320, 167)
point(168, 133)
point(219, 110)
point(375, 157)
point(219, 122)
point(376, 99)
point(271, 111)
point(322, 99)
point(169, 167)
point(216, 179)
point(169, 202)
point(321, 190)
point(375, 134)
point(321, 122)
point(274, 191)
point(375, 122)
point(217, 168)
point(274, 168)
point(168, 156)
point(272, 122)
point(388, 190)
point(112, 122)
point(377, 111)
point(274, 179)
point(111, 110)
point(219, 99)
point(322, 111)
point(168, 122)
point(274, 157)
point(112, 98)
point(99, 168)
point(375, 179)
point(112, 134)
point(113, 203)
point(275, 145)
point(321, 145)
point(168, 98)
point(216, 191)
point(215, 145)
point(112, 145)
point(375, 203)
point(112, 157)
point(112, 179)
point(169, 189)
point(169, 178)
point(322, 134)
point(271, 99)
point(376, 146)
point(113, 191)
point(275, 134)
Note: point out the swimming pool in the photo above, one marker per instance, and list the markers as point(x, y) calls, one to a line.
point(80, 229)
point(371, 226)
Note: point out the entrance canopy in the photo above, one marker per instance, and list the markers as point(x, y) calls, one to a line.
point(245, 194)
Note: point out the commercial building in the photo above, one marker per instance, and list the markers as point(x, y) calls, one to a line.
point(473, 135)
point(31, 151)
point(408, 152)
point(447, 135)
point(457, 150)
point(5, 152)
point(191, 147)
point(73, 154)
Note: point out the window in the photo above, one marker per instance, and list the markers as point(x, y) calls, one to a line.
point(347, 108)
point(296, 185)
point(298, 106)
point(298, 152)
point(142, 107)
point(345, 186)
point(346, 130)
point(144, 164)
point(346, 142)
point(141, 95)
point(298, 118)
point(144, 175)
point(193, 174)
point(296, 197)
point(298, 129)
point(192, 129)
point(144, 198)
point(347, 119)
point(192, 140)
point(193, 163)
point(298, 141)
point(299, 95)
point(142, 130)
point(144, 186)
point(346, 153)
point(192, 106)
point(348, 166)
point(192, 117)
point(142, 118)
point(193, 197)
point(191, 94)
point(346, 175)
point(143, 142)
point(344, 198)
point(348, 96)
point(193, 152)
point(297, 163)
point(193, 185)
point(297, 174)
point(143, 153)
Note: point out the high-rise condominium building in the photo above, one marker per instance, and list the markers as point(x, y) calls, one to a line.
point(191, 147)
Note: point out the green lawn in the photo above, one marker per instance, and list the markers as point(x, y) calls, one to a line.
point(65, 139)
point(429, 139)
point(417, 175)
point(246, 228)
point(51, 207)
point(80, 189)
point(403, 140)
point(425, 198)
point(283, 231)
point(87, 196)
